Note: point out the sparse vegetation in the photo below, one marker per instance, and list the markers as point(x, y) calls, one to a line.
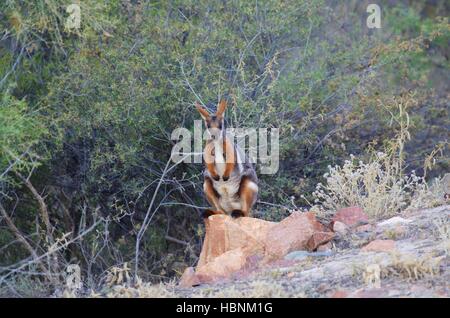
point(378, 187)
point(86, 117)
point(412, 267)
point(381, 186)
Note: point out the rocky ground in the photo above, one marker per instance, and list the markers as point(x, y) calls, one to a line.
point(404, 256)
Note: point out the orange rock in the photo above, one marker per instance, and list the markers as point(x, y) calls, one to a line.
point(379, 246)
point(351, 216)
point(233, 246)
point(340, 294)
point(340, 228)
point(318, 239)
point(292, 234)
point(229, 245)
point(224, 234)
point(189, 278)
point(370, 293)
point(223, 266)
point(325, 247)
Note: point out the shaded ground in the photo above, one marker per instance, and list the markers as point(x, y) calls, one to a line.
point(412, 261)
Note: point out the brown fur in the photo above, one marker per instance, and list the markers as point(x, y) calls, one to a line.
point(209, 160)
point(230, 158)
point(247, 195)
point(243, 195)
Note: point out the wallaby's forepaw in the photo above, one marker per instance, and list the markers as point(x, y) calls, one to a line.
point(225, 178)
point(237, 214)
point(216, 178)
point(207, 213)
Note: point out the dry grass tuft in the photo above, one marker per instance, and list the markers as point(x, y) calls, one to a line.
point(118, 284)
point(412, 267)
point(141, 290)
point(408, 267)
point(442, 232)
point(380, 186)
point(255, 289)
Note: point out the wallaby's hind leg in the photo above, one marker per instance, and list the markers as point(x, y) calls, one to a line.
point(213, 198)
point(248, 191)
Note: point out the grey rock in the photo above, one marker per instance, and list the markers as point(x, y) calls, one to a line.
point(301, 255)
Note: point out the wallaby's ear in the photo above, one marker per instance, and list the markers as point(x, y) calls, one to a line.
point(202, 111)
point(221, 107)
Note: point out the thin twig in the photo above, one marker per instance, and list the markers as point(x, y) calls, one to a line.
point(14, 66)
point(42, 206)
point(50, 252)
point(189, 84)
point(172, 239)
point(21, 238)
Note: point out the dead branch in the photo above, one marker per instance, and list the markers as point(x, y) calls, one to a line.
point(21, 238)
point(175, 240)
point(42, 206)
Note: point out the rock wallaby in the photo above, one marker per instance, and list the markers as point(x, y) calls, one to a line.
point(230, 181)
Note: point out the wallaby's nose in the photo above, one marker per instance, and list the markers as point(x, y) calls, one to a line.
point(215, 133)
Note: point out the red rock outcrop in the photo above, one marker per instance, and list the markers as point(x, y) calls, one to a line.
point(189, 278)
point(232, 245)
point(352, 216)
point(294, 233)
point(379, 246)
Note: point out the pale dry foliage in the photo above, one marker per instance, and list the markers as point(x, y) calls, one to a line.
point(141, 290)
point(442, 227)
point(118, 275)
point(138, 289)
point(378, 187)
point(120, 285)
point(429, 196)
point(442, 232)
point(256, 289)
point(405, 266)
point(411, 267)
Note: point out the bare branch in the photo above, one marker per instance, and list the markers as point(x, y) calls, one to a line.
point(20, 237)
point(42, 206)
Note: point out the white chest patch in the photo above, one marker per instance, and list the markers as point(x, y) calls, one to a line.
point(219, 158)
point(227, 191)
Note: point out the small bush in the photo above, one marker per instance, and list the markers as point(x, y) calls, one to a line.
point(379, 187)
